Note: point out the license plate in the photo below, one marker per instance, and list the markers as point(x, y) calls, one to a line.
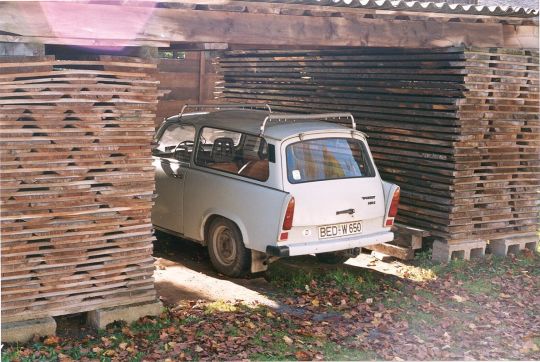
point(337, 230)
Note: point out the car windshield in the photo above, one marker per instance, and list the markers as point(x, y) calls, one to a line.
point(327, 159)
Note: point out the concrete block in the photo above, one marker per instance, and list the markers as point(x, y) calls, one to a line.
point(100, 318)
point(513, 245)
point(23, 331)
point(444, 252)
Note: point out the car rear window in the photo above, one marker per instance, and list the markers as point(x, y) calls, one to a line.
point(327, 159)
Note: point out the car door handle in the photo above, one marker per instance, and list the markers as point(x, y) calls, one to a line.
point(179, 175)
point(348, 211)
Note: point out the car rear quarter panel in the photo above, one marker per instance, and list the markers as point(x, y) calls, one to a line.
point(256, 209)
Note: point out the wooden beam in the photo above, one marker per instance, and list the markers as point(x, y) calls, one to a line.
point(200, 46)
point(393, 250)
point(524, 37)
point(202, 71)
point(81, 42)
point(75, 23)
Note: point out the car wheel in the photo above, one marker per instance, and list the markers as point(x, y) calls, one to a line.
point(332, 258)
point(227, 252)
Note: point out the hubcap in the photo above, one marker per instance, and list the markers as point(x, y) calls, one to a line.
point(225, 245)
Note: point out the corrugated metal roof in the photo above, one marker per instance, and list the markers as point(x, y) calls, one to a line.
point(428, 7)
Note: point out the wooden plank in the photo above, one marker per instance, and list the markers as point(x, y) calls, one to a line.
point(393, 250)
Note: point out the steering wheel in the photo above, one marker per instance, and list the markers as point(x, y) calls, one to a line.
point(184, 145)
point(187, 146)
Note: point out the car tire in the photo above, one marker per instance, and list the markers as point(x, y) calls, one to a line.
point(226, 247)
point(332, 258)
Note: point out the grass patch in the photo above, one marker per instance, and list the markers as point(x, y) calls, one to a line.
point(465, 270)
point(420, 319)
point(189, 320)
point(276, 350)
point(363, 281)
point(426, 294)
point(335, 352)
point(481, 287)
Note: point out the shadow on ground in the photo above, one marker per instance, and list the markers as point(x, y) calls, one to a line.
point(184, 272)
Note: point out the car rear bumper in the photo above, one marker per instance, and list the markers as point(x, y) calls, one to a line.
point(329, 245)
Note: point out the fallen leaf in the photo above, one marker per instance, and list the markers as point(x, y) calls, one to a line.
point(458, 299)
point(529, 346)
point(106, 341)
point(287, 340)
point(51, 340)
point(302, 356)
point(109, 353)
point(64, 358)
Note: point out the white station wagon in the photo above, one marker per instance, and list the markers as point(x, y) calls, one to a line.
point(254, 186)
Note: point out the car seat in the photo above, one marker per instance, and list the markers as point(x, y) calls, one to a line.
point(222, 155)
point(222, 150)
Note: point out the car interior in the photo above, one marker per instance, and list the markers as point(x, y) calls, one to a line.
point(248, 158)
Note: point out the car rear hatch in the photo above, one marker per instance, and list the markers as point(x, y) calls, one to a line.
point(336, 188)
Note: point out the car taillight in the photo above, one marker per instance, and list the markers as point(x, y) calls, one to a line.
point(288, 219)
point(392, 211)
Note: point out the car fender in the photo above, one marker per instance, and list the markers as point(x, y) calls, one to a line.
point(228, 215)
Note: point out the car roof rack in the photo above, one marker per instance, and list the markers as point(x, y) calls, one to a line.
point(228, 106)
point(284, 117)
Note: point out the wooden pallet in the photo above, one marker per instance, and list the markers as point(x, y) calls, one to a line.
point(77, 184)
point(457, 129)
point(406, 241)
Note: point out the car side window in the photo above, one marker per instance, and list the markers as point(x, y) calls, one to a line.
point(176, 142)
point(233, 152)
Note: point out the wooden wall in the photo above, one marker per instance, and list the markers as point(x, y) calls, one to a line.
point(189, 80)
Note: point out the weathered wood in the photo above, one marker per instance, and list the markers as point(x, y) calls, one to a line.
point(118, 24)
point(393, 250)
point(77, 184)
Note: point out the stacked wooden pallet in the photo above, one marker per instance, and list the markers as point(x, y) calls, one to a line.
point(498, 182)
point(77, 184)
point(426, 112)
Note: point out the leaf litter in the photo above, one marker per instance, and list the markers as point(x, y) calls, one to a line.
point(481, 310)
